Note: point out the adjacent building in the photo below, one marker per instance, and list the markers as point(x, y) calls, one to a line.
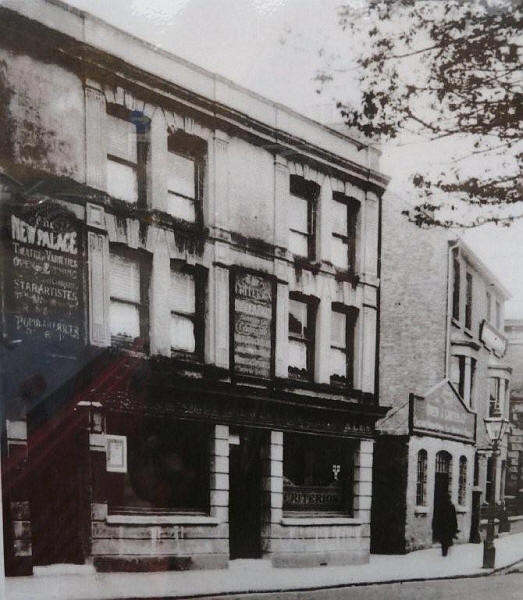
point(514, 472)
point(190, 296)
point(442, 371)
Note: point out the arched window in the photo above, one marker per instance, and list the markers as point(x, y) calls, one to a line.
point(421, 482)
point(462, 482)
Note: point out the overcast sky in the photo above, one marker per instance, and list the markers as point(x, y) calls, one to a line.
point(271, 47)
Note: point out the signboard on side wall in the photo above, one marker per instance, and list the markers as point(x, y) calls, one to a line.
point(43, 278)
point(253, 299)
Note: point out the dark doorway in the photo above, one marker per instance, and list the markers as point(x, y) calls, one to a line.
point(56, 472)
point(442, 480)
point(245, 493)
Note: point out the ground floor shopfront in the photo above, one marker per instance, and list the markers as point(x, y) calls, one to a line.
point(182, 476)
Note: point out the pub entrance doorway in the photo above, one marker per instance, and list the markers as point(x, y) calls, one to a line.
point(245, 493)
point(56, 472)
point(442, 479)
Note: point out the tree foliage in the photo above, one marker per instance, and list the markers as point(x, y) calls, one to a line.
point(448, 71)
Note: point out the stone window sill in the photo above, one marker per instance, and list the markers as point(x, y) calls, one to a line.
point(161, 520)
point(314, 521)
point(421, 510)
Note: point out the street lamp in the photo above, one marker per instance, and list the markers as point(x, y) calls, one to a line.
point(496, 428)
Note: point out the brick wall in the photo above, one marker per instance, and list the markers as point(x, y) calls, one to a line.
point(414, 266)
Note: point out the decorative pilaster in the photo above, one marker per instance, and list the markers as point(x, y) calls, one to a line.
point(363, 484)
point(217, 212)
point(368, 320)
point(98, 259)
point(219, 474)
point(281, 202)
point(95, 147)
point(158, 162)
point(323, 337)
point(323, 225)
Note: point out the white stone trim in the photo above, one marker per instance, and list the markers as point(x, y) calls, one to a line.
point(161, 520)
point(314, 521)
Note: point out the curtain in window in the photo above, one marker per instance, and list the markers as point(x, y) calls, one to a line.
point(124, 290)
point(183, 308)
point(182, 187)
point(122, 180)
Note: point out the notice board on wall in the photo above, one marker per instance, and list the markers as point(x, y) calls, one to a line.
point(252, 323)
point(44, 277)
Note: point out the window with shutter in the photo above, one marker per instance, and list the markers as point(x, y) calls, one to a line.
point(187, 309)
point(302, 312)
point(344, 212)
point(302, 201)
point(127, 305)
point(186, 158)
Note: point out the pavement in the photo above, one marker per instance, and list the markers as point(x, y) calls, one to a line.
point(73, 583)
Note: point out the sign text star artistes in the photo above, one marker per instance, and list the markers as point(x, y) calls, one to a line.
point(253, 312)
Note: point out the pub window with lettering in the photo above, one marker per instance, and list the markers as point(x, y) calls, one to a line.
point(317, 474)
point(186, 164)
point(302, 323)
point(167, 466)
point(128, 292)
point(187, 301)
point(302, 211)
point(343, 243)
point(127, 147)
point(343, 320)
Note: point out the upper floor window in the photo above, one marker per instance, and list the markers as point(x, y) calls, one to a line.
point(343, 320)
point(187, 309)
point(302, 323)
point(344, 219)
point(462, 372)
point(498, 315)
point(186, 159)
point(489, 306)
point(128, 291)
point(499, 395)
point(302, 221)
point(126, 154)
point(456, 283)
point(468, 302)
point(462, 480)
point(421, 481)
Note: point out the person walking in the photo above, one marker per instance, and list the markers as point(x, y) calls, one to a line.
point(445, 524)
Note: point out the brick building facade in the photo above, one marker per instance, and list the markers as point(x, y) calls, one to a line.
point(190, 307)
point(514, 475)
point(442, 370)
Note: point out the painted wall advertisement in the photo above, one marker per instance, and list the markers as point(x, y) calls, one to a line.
point(252, 324)
point(44, 278)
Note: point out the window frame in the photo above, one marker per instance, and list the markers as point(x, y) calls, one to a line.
point(468, 300)
point(311, 302)
point(421, 477)
point(456, 285)
point(309, 191)
point(292, 442)
point(142, 126)
point(351, 316)
point(144, 262)
point(200, 276)
point(462, 480)
point(193, 148)
point(352, 206)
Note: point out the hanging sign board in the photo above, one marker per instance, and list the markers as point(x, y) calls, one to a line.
point(44, 278)
point(252, 318)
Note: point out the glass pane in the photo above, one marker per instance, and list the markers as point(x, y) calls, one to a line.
point(124, 320)
point(338, 329)
point(122, 182)
point(182, 334)
point(183, 297)
point(297, 354)
point(338, 362)
point(340, 253)
point(297, 318)
point(339, 217)
point(180, 207)
point(455, 371)
point(298, 244)
point(182, 172)
point(298, 214)
point(121, 138)
point(124, 278)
